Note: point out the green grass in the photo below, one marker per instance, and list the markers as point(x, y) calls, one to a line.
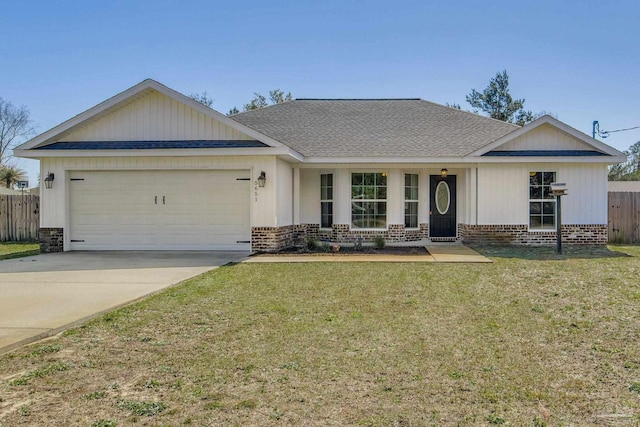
point(533, 339)
point(18, 249)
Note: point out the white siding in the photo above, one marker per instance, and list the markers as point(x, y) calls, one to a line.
point(155, 117)
point(545, 137)
point(310, 195)
point(503, 192)
point(284, 193)
point(55, 201)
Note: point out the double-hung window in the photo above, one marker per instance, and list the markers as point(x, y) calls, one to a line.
point(542, 205)
point(411, 200)
point(369, 200)
point(326, 200)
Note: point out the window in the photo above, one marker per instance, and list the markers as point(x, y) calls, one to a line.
point(411, 200)
point(542, 205)
point(369, 200)
point(326, 200)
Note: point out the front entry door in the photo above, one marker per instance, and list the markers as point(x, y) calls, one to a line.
point(442, 212)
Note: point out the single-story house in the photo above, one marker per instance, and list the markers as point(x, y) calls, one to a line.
point(152, 169)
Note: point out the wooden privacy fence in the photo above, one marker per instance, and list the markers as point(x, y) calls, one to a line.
point(19, 217)
point(624, 217)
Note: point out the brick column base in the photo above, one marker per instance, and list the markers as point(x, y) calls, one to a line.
point(51, 240)
point(272, 239)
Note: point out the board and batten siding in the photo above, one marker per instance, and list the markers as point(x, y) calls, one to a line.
point(283, 193)
point(545, 137)
point(264, 203)
point(503, 192)
point(155, 117)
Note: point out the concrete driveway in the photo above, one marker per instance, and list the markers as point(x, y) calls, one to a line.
point(44, 294)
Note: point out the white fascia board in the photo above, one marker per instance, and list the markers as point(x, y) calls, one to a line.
point(385, 160)
point(556, 124)
point(49, 135)
point(610, 160)
point(464, 160)
point(191, 152)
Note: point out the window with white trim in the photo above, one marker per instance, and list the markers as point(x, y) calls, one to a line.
point(411, 200)
point(326, 200)
point(542, 205)
point(369, 200)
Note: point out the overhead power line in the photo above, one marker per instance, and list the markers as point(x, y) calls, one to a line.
point(605, 133)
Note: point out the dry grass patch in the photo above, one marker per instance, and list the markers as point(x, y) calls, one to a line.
point(533, 339)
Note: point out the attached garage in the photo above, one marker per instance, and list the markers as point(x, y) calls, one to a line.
point(159, 210)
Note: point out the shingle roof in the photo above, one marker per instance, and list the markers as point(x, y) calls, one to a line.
point(148, 145)
point(374, 128)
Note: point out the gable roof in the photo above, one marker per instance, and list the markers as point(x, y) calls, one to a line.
point(375, 128)
point(124, 98)
point(598, 148)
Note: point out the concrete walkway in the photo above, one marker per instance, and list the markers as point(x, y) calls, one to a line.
point(437, 253)
point(44, 294)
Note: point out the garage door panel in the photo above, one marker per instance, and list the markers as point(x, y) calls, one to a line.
point(159, 210)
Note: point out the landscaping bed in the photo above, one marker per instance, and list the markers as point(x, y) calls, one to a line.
point(337, 249)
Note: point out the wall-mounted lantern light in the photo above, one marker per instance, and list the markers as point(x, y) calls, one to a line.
point(48, 181)
point(443, 173)
point(262, 179)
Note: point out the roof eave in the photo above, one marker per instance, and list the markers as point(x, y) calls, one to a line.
point(464, 159)
point(166, 152)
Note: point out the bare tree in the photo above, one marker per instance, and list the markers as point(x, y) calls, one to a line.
point(14, 126)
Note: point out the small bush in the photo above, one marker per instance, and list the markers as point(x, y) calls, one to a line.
point(378, 242)
point(312, 244)
point(105, 423)
point(635, 387)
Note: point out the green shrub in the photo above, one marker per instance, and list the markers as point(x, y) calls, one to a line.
point(378, 242)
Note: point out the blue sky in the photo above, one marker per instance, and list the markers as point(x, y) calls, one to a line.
point(577, 59)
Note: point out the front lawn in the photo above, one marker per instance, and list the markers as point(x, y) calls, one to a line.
point(530, 340)
point(18, 249)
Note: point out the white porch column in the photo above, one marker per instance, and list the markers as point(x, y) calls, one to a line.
point(296, 195)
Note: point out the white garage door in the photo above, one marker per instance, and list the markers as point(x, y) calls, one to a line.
point(159, 210)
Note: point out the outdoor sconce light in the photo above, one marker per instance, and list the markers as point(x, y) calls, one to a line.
point(443, 173)
point(48, 181)
point(262, 179)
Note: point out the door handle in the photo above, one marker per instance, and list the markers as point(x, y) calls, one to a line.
point(156, 200)
point(163, 200)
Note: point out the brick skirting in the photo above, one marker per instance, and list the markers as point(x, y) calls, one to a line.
point(51, 240)
point(271, 239)
point(343, 233)
point(577, 234)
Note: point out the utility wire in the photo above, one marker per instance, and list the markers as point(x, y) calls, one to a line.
point(605, 133)
point(621, 130)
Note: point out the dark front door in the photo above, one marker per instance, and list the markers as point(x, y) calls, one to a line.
point(442, 208)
